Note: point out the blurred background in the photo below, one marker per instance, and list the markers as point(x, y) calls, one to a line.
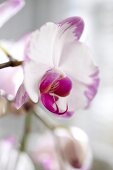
point(97, 122)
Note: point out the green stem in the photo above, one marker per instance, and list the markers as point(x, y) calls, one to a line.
point(27, 129)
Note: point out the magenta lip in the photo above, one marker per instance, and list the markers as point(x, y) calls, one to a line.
point(54, 85)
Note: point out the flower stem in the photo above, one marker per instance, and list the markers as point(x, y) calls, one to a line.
point(11, 64)
point(6, 53)
point(27, 129)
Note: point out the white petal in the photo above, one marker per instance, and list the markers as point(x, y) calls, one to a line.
point(14, 76)
point(70, 30)
point(10, 80)
point(33, 74)
point(76, 60)
point(8, 9)
point(77, 99)
point(82, 94)
point(41, 44)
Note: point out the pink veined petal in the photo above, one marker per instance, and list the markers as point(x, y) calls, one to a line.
point(82, 94)
point(9, 8)
point(70, 30)
point(76, 61)
point(40, 48)
point(33, 73)
point(21, 97)
point(50, 103)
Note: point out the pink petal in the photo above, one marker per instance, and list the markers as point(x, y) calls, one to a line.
point(8, 9)
point(56, 83)
point(64, 87)
point(72, 27)
point(76, 61)
point(50, 103)
point(47, 81)
point(41, 44)
point(21, 97)
point(33, 74)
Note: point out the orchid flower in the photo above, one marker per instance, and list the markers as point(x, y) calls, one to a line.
point(75, 148)
point(59, 71)
point(43, 153)
point(12, 159)
point(9, 83)
point(72, 152)
point(14, 75)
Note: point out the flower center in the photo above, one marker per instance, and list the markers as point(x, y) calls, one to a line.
point(55, 83)
point(53, 86)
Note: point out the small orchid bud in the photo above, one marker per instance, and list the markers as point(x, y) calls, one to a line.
point(75, 147)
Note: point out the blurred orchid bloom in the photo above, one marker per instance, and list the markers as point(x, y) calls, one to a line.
point(75, 148)
point(11, 159)
point(72, 147)
point(43, 153)
point(59, 70)
point(9, 8)
point(11, 78)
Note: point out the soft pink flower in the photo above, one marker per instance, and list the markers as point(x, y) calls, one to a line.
point(10, 78)
point(11, 158)
point(71, 150)
point(59, 71)
point(43, 151)
point(75, 148)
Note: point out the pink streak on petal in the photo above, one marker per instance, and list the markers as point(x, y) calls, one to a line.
point(73, 22)
point(64, 87)
point(16, 2)
point(92, 88)
point(8, 9)
point(21, 97)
